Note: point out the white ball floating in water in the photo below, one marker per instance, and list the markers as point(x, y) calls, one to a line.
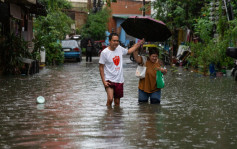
point(40, 99)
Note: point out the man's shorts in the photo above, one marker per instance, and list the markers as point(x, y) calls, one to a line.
point(118, 89)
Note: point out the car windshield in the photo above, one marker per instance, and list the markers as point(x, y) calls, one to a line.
point(69, 43)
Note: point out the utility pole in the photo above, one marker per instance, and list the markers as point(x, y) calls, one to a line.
point(94, 6)
point(89, 5)
point(226, 11)
point(230, 10)
point(143, 9)
point(99, 5)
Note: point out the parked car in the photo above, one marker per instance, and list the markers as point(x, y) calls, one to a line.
point(71, 50)
point(76, 37)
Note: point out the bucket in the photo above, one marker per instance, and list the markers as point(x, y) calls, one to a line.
point(228, 73)
point(40, 100)
point(231, 52)
point(219, 74)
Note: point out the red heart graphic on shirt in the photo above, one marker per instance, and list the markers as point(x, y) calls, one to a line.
point(116, 60)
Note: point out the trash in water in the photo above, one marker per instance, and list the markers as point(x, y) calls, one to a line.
point(40, 99)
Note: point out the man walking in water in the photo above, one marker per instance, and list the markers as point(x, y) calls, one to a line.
point(111, 68)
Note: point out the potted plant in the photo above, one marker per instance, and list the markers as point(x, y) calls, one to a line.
point(12, 49)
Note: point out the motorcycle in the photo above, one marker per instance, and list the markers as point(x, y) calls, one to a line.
point(165, 57)
point(232, 52)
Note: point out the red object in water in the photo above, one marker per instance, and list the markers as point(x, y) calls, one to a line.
point(219, 74)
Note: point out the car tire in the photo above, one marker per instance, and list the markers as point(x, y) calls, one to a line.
point(78, 59)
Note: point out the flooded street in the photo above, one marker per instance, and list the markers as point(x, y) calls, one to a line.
point(195, 111)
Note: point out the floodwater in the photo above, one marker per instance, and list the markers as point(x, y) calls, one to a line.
point(195, 111)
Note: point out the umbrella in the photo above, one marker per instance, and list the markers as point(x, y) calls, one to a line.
point(146, 27)
point(84, 42)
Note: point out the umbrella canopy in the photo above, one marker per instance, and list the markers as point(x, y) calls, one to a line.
point(84, 42)
point(146, 27)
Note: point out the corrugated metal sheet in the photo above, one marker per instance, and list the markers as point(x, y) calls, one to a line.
point(31, 1)
point(15, 11)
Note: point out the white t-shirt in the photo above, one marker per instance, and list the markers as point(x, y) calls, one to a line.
point(113, 64)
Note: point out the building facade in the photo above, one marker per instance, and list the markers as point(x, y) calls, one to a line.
point(17, 17)
point(122, 9)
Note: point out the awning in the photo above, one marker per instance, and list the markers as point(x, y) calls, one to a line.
point(25, 2)
point(15, 11)
point(125, 16)
point(31, 1)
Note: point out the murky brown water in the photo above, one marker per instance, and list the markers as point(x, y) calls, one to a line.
point(195, 111)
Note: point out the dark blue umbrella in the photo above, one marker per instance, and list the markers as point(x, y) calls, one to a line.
point(84, 42)
point(146, 27)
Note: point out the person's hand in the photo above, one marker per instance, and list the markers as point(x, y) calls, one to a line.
point(106, 84)
point(163, 70)
point(160, 69)
point(141, 42)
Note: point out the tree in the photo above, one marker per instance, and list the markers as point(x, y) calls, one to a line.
point(212, 48)
point(12, 51)
point(56, 4)
point(194, 14)
point(96, 25)
point(178, 14)
point(51, 29)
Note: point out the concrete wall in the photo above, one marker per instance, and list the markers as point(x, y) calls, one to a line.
point(80, 19)
point(125, 7)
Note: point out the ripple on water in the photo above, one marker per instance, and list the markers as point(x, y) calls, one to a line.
point(195, 111)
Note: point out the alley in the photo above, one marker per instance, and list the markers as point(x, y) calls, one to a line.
point(195, 111)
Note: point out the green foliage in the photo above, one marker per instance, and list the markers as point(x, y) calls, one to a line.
point(196, 49)
point(56, 4)
point(178, 14)
point(234, 8)
point(204, 54)
point(108, 3)
point(78, 31)
point(54, 55)
point(96, 25)
point(203, 28)
point(179, 11)
point(12, 50)
point(49, 31)
point(212, 50)
point(232, 32)
point(195, 16)
point(83, 50)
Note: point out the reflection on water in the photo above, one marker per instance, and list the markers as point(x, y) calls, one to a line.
point(195, 111)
